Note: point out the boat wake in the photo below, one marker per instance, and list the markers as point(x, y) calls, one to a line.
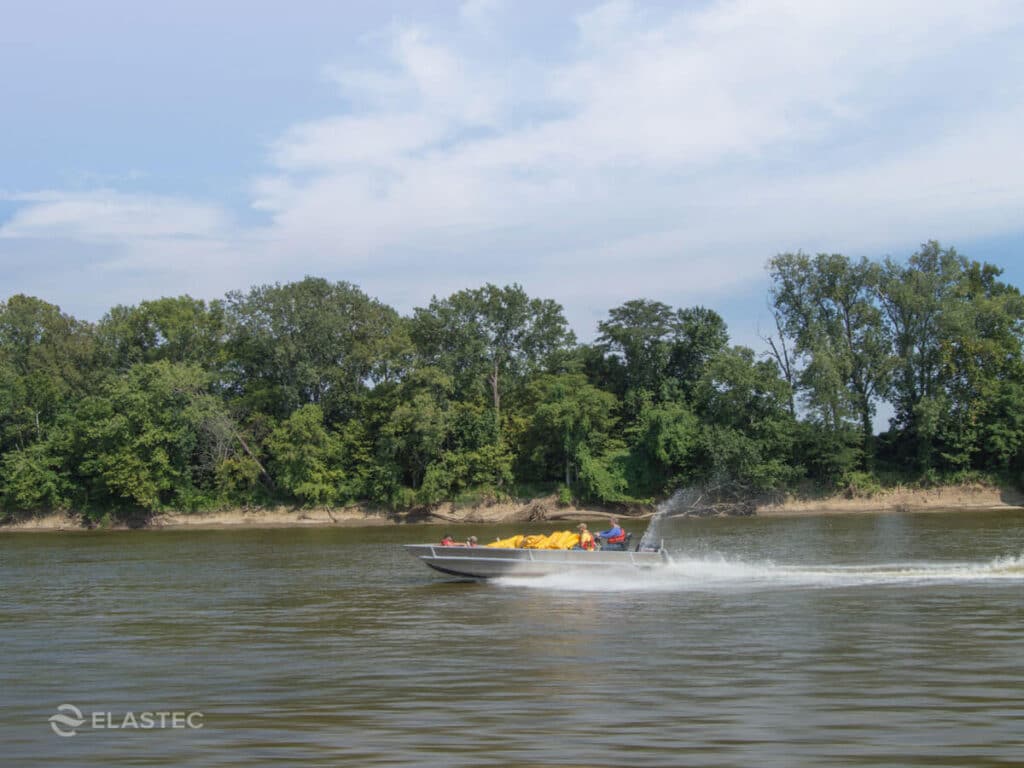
point(716, 573)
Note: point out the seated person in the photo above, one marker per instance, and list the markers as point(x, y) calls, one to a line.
point(586, 538)
point(471, 541)
point(614, 537)
point(448, 541)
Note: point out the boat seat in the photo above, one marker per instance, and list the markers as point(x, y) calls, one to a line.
point(616, 547)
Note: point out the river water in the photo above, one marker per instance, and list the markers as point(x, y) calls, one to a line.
point(866, 640)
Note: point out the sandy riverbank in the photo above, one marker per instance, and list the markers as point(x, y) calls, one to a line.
point(968, 498)
point(535, 510)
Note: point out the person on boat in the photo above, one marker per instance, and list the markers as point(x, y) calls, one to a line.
point(471, 541)
point(448, 541)
point(586, 538)
point(614, 537)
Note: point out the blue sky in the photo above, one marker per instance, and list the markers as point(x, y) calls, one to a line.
point(593, 152)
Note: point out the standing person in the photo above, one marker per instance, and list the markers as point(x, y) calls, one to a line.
point(586, 537)
point(614, 537)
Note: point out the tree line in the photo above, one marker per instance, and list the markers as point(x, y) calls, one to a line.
point(313, 392)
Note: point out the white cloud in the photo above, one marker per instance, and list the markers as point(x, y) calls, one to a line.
point(662, 153)
point(642, 164)
point(105, 216)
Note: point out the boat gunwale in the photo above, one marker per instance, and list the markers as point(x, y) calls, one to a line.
point(492, 562)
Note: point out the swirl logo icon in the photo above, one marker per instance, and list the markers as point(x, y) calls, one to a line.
point(68, 718)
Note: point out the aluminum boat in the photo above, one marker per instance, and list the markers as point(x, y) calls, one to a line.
point(492, 562)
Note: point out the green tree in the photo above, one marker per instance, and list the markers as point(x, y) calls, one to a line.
point(747, 435)
point(45, 363)
point(417, 429)
point(661, 351)
point(491, 340)
point(829, 305)
point(138, 440)
point(305, 458)
point(957, 334)
point(180, 330)
point(35, 478)
point(662, 443)
point(571, 418)
point(311, 342)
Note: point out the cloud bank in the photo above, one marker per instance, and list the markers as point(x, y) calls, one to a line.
point(665, 153)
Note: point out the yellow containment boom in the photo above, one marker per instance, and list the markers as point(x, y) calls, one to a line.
point(556, 540)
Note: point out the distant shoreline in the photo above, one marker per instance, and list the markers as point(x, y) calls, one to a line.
point(966, 498)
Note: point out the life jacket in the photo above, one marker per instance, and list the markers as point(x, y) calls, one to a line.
point(617, 538)
point(587, 540)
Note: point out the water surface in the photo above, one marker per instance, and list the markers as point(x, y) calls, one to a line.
point(875, 640)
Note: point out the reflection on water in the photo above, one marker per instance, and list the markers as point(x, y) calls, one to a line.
point(845, 641)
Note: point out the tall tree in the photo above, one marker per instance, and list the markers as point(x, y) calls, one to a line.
point(569, 416)
point(661, 351)
point(305, 457)
point(748, 430)
point(416, 431)
point(491, 339)
point(829, 306)
point(45, 363)
point(138, 439)
point(957, 333)
point(179, 329)
point(310, 342)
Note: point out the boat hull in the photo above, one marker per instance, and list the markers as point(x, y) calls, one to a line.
point(491, 562)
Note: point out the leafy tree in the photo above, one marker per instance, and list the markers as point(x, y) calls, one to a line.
point(748, 432)
point(491, 339)
point(311, 342)
point(957, 334)
point(603, 478)
point(45, 362)
point(34, 478)
point(305, 457)
point(417, 429)
point(570, 418)
point(180, 330)
point(662, 442)
point(138, 438)
point(639, 335)
point(660, 351)
point(828, 305)
point(826, 455)
point(317, 393)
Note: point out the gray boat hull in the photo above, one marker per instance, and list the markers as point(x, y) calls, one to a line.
point(491, 562)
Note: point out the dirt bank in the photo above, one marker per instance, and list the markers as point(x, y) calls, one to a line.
point(966, 497)
point(534, 510)
point(974, 497)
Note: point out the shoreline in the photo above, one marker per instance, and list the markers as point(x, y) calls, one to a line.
point(969, 498)
point(945, 498)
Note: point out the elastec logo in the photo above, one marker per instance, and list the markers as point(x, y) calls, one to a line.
point(67, 720)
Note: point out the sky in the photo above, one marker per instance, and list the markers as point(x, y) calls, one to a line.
point(591, 152)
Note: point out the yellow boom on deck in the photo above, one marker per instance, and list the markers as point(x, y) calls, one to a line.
point(556, 540)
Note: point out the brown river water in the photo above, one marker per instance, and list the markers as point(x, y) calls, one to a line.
point(858, 640)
